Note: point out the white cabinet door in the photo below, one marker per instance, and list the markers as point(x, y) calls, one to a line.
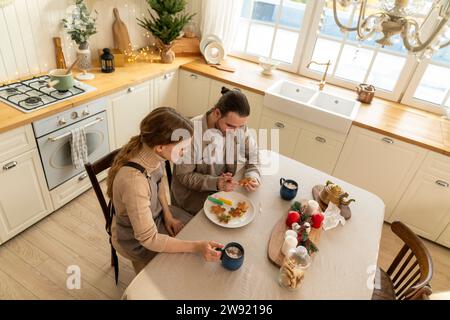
point(379, 164)
point(166, 90)
point(193, 94)
point(255, 100)
point(128, 108)
point(425, 206)
point(317, 150)
point(444, 238)
point(24, 198)
point(288, 134)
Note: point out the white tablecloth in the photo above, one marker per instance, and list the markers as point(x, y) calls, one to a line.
point(342, 269)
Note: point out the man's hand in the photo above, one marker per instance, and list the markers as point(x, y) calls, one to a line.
point(225, 182)
point(173, 226)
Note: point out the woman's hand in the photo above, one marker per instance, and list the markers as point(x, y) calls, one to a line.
point(207, 250)
point(173, 226)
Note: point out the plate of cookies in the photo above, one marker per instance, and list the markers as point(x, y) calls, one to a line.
point(229, 209)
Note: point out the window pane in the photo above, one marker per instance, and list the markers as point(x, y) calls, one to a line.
point(329, 26)
point(443, 55)
point(325, 50)
point(241, 36)
point(265, 10)
point(434, 84)
point(260, 39)
point(386, 70)
point(354, 63)
point(292, 13)
point(285, 45)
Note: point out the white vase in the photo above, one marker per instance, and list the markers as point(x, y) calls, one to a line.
point(84, 62)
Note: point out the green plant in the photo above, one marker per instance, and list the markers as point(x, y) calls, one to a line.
point(80, 23)
point(170, 21)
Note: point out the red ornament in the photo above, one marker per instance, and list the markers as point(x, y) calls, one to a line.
point(317, 220)
point(292, 217)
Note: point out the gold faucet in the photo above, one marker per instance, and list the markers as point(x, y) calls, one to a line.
point(322, 82)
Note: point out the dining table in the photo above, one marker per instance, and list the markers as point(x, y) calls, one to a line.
point(343, 268)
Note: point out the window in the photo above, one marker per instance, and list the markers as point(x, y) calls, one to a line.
point(430, 86)
point(271, 28)
point(298, 31)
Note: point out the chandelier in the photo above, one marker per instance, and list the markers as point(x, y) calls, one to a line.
point(396, 18)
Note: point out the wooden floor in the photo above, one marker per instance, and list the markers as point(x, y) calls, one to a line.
point(33, 264)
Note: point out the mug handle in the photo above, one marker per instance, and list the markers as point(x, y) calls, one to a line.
point(282, 181)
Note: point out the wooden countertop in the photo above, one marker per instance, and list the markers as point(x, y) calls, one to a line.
point(393, 119)
point(106, 84)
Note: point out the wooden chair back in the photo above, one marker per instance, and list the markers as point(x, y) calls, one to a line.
point(412, 269)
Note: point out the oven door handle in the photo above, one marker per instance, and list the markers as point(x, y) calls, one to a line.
point(99, 119)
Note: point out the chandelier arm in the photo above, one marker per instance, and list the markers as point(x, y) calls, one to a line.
point(444, 45)
point(381, 15)
point(423, 45)
point(339, 24)
point(362, 13)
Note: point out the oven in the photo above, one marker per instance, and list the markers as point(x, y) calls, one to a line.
point(53, 137)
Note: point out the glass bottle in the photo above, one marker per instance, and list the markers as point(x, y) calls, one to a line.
point(293, 268)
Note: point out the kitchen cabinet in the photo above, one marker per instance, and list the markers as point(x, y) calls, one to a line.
point(287, 134)
point(317, 150)
point(128, 108)
point(425, 206)
point(379, 164)
point(255, 100)
point(165, 93)
point(24, 198)
point(193, 93)
point(444, 238)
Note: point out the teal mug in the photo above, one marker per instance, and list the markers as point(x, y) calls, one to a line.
point(232, 256)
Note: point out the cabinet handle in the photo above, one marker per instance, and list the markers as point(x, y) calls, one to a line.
point(82, 177)
point(279, 125)
point(10, 165)
point(321, 140)
point(194, 76)
point(442, 183)
point(130, 89)
point(388, 140)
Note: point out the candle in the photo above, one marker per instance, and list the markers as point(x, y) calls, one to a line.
point(290, 233)
point(289, 243)
point(313, 207)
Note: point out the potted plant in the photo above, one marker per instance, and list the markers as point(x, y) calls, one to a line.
point(167, 26)
point(80, 25)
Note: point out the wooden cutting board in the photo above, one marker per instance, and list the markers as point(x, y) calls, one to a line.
point(277, 239)
point(121, 36)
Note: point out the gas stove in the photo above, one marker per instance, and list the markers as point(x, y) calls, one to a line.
point(33, 94)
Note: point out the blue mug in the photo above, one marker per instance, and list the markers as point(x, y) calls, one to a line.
point(288, 193)
point(232, 260)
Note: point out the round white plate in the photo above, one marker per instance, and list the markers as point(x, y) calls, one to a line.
point(234, 222)
point(214, 53)
point(206, 40)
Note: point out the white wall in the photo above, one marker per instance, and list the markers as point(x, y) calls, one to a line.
point(28, 26)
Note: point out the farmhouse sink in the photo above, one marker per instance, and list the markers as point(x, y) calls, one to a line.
point(318, 107)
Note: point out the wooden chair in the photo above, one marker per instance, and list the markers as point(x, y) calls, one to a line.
point(92, 170)
point(411, 271)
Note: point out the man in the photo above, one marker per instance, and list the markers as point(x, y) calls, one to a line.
point(225, 148)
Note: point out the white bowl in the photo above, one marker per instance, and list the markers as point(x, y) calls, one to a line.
point(268, 65)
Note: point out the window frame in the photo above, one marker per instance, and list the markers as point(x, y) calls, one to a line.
point(404, 89)
point(310, 8)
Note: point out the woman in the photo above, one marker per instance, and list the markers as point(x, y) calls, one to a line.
point(143, 217)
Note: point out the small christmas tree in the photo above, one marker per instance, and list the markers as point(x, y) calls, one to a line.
point(170, 21)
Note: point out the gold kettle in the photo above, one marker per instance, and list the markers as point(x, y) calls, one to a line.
point(366, 92)
point(334, 193)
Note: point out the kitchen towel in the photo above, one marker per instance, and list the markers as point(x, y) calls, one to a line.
point(78, 147)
